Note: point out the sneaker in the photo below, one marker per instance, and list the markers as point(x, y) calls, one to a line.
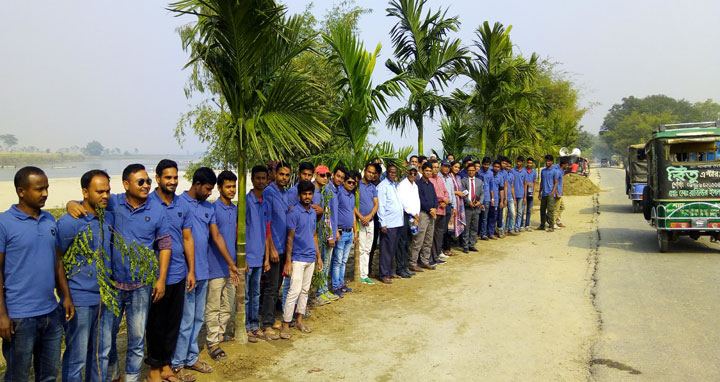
point(346, 289)
point(485, 238)
point(338, 292)
point(443, 256)
point(322, 300)
point(441, 262)
point(368, 281)
point(331, 295)
point(432, 262)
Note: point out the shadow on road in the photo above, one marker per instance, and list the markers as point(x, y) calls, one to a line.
point(619, 209)
point(642, 241)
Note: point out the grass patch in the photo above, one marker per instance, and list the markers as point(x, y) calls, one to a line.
point(21, 159)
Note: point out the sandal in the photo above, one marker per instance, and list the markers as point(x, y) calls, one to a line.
point(303, 328)
point(170, 378)
point(183, 374)
point(270, 335)
point(285, 334)
point(277, 325)
point(259, 334)
point(251, 337)
point(227, 338)
point(201, 367)
point(217, 354)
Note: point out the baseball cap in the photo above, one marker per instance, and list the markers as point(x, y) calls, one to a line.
point(322, 169)
point(412, 167)
point(446, 162)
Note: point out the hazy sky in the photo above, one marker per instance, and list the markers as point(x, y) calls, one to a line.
point(75, 71)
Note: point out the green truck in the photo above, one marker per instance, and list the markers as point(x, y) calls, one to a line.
point(682, 197)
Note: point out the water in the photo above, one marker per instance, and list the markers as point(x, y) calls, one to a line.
point(113, 165)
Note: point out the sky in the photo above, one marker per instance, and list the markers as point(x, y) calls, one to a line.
point(72, 72)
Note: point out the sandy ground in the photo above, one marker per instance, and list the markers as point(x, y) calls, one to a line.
point(520, 310)
point(63, 189)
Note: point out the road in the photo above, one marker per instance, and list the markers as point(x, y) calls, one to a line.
point(659, 311)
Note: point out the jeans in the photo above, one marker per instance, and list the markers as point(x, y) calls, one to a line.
point(510, 219)
point(340, 258)
point(136, 305)
point(520, 213)
point(186, 349)
point(36, 342)
point(270, 291)
point(492, 220)
point(286, 290)
point(528, 210)
point(484, 214)
point(252, 298)
point(82, 336)
point(326, 253)
point(163, 325)
point(499, 220)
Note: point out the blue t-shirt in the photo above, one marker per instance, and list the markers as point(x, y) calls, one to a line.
point(226, 218)
point(367, 193)
point(518, 182)
point(530, 177)
point(509, 183)
point(257, 215)
point(497, 180)
point(177, 216)
point(303, 222)
point(548, 176)
point(29, 274)
point(346, 208)
point(292, 197)
point(278, 201)
point(487, 178)
point(203, 214)
point(142, 225)
point(84, 287)
point(561, 176)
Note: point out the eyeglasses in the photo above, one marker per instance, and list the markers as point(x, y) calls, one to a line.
point(141, 182)
point(325, 175)
point(351, 182)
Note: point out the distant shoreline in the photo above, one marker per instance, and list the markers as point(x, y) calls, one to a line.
point(18, 159)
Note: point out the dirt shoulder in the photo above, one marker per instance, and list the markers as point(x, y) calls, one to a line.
point(519, 310)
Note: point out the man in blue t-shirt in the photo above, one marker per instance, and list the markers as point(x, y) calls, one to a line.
point(518, 176)
point(530, 181)
point(497, 181)
point(277, 198)
point(559, 203)
point(221, 292)
point(346, 226)
point(483, 172)
point(204, 230)
point(30, 323)
point(82, 337)
point(548, 191)
point(365, 213)
point(303, 258)
point(257, 247)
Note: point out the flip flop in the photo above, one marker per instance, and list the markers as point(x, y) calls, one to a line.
point(251, 337)
point(303, 328)
point(183, 374)
point(170, 378)
point(217, 354)
point(285, 334)
point(202, 368)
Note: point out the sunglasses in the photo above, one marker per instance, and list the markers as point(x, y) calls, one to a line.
point(141, 182)
point(350, 182)
point(325, 175)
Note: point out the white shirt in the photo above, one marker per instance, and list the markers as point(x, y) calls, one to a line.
point(409, 197)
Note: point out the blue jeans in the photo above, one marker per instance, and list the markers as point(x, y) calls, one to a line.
point(36, 337)
point(340, 258)
point(82, 336)
point(499, 220)
point(136, 305)
point(187, 350)
point(520, 213)
point(492, 220)
point(484, 219)
point(326, 252)
point(286, 289)
point(252, 298)
point(528, 210)
point(510, 218)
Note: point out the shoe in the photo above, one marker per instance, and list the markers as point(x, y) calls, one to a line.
point(540, 228)
point(465, 250)
point(441, 262)
point(512, 233)
point(405, 275)
point(494, 237)
point(331, 295)
point(451, 253)
point(411, 273)
point(337, 292)
point(396, 276)
point(427, 266)
point(322, 300)
point(368, 281)
point(561, 225)
point(484, 238)
point(443, 256)
point(433, 262)
point(502, 235)
point(415, 268)
point(346, 289)
point(474, 249)
point(551, 230)
point(386, 280)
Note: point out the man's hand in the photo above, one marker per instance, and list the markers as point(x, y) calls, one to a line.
point(266, 266)
point(247, 268)
point(274, 256)
point(234, 274)
point(331, 243)
point(69, 308)
point(75, 209)
point(158, 290)
point(318, 210)
point(454, 213)
point(433, 213)
point(287, 269)
point(383, 229)
point(319, 265)
point(482, 207)
point(337, 237)
point(6, 328)
point(191, 281)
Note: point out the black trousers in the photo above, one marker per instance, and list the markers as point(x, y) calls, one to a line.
point(270, 292)
point(449, 236)
point(163, 325)
point(388, 247)
point(403, 247)
point(376, 240)
point(440, 228)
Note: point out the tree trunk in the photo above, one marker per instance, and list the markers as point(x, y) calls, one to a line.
point(356, 250)
point(483, 139)
point(240, 247)
point(419, 124)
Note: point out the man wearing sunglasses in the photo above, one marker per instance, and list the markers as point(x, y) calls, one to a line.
point(346, 226)
point(325, 203)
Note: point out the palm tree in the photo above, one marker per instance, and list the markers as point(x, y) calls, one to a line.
point(429, 58)
point(503, 93)
point(456, 134)
point(247, 46)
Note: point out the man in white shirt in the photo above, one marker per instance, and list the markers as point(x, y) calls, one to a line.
point(410, 200)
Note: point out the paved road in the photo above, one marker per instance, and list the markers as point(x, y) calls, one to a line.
point(660, 313)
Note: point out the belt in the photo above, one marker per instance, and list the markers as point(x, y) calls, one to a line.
point(346, 229)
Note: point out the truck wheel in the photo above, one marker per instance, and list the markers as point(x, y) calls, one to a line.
point(636, 206)
point(663, 238)
point(647, 203)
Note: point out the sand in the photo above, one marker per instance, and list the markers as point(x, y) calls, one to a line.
point(574, 184)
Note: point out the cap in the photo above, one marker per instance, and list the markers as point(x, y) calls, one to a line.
point(412, 167)
point(322, 169)
point(446, 162)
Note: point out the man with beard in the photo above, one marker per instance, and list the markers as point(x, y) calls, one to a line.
point(325, 203)
point(390, 216)
point(305, 172)
point(365, 214)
